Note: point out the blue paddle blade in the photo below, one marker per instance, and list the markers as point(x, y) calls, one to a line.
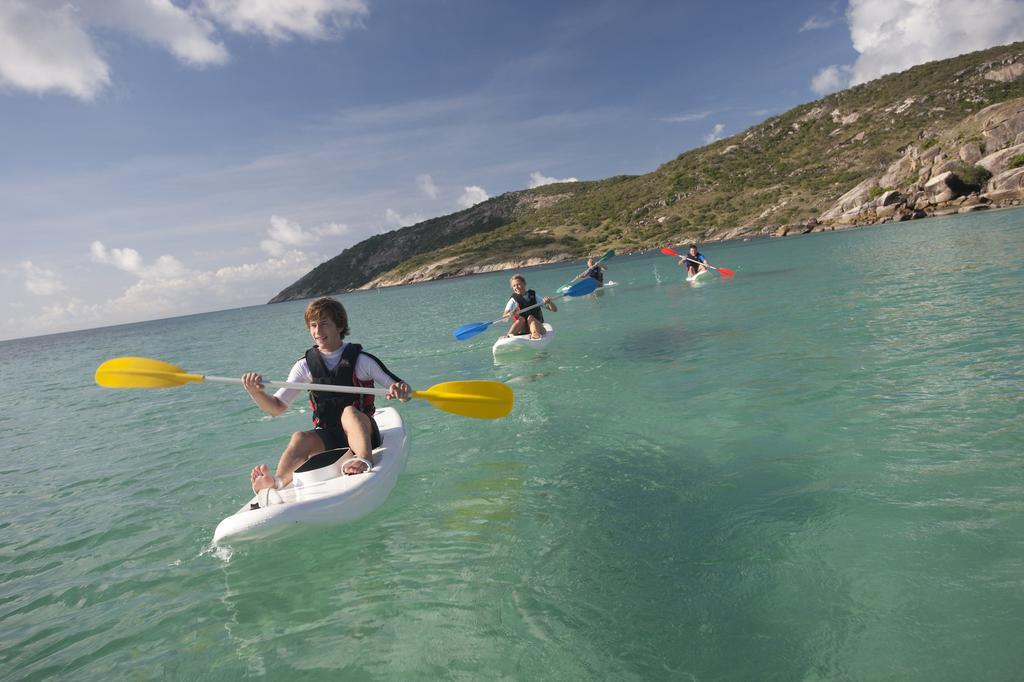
point(468, 331)
point(582, 287)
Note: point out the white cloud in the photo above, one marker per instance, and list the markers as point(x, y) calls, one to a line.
point(131, 261)
point(537, 179)
point(686, 118)
point(331, 230)
point(128, 260)
point(46, 49)
point(831, 79)
point(46, 46)
point(815, 23)
point(284, 233)
point(715, 134)
point(282, 19)
point(395, 219)
point(893, 35)
point(425, 183)
point(181, 31)
point(164, 294)
point(471, 196)
point(40, 281)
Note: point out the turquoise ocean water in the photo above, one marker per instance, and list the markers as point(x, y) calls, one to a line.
point(812, 471)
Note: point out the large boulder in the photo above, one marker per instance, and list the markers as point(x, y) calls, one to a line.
point(970, 153)
point(945, 187)
point(886, 211)
point(950, 165)
point(999, 161)
point(890, 198)
point(1012, 179)
point(900, 170)
point(1001, 123)
point(930, 155)
point(1006, 73)
point(851, 202)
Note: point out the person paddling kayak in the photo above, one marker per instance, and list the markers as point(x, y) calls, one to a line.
point(695, 262)
point(340, 419)
point(532, 322)
point(593, 271)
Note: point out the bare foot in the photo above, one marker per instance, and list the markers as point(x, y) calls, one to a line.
point(351, 465)
point(261, 479)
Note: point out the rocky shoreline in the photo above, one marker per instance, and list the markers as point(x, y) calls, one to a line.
point(941, 138)
point(977, 165)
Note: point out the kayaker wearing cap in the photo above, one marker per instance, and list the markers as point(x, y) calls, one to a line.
point(594, 271)
point(340, 419)
point(695, 261)
point(532, 322)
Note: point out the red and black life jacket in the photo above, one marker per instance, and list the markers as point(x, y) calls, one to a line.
point(525, 301)
point(327, 407)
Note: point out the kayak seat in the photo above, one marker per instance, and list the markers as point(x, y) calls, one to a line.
point(322, 459)
point(322, 466)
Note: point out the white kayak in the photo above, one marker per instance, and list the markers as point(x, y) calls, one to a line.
point(507, 344)
point(320, 493)
point(694, 278)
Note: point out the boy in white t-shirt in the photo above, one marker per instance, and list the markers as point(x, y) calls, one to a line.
point(340, 419)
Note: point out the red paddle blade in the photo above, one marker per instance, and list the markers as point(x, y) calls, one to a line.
point(726, 272)
point(669, 252)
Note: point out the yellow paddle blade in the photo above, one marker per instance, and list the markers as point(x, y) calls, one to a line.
point(142, 373)
point(477, 399)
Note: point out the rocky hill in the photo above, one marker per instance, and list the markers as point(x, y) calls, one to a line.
point(941, 137)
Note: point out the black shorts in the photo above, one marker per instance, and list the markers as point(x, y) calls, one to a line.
point(334, 437)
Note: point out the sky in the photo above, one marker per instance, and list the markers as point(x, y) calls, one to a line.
point(161, 158)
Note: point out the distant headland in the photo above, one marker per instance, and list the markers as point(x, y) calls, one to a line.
point(940, 138)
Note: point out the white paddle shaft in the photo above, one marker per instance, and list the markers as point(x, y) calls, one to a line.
point(330, 388)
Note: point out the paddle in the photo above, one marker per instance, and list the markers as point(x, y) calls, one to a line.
point(724, 272)
point(468, 331)
point(607, 254)
point(477, 399)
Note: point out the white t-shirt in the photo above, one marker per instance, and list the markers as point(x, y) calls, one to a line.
point(366, 369)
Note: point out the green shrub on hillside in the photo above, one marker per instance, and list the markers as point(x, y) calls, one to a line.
point(974, 176)
point(1017, 161)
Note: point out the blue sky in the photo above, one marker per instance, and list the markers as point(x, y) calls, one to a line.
point(167, 158)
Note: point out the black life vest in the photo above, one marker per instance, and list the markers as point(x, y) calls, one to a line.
point(595, 272)
point(527, 300)
point(327, 407)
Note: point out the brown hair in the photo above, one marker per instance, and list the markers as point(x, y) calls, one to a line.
point(326, 307)
point(517, 276)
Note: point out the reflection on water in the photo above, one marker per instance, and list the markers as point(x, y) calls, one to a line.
point(758, 274)
point(526, 378)
point(662, 343)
